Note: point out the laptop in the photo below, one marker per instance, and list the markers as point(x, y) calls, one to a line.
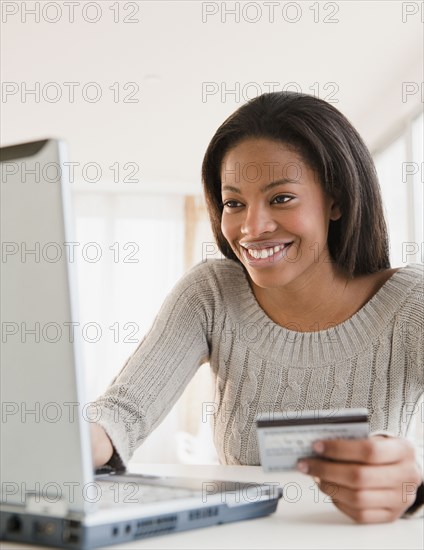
point(50, 494)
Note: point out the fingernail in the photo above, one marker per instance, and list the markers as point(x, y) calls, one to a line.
point(303, 467)
point(318, 446)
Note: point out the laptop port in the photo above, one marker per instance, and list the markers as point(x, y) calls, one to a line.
point(73, 537)
point(14, 524)
point(71, 530)
point(115, 532)
point(44, 527)
point(74, 524)
point(70, 537)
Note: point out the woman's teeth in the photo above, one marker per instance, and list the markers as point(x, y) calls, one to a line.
point(258, 253)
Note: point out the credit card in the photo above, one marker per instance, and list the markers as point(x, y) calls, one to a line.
point(284, 438)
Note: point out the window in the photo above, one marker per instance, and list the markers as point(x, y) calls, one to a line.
point(134, 247)
point(400, 170)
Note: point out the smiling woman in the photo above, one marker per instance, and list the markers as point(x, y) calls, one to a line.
point(304, 312)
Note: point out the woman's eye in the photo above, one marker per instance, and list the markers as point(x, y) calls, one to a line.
point(281, 199)
point(231, 204)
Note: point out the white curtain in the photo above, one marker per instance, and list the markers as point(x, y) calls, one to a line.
point(400, 170)
point(130, 250)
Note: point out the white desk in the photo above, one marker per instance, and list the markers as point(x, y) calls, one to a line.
point(303, 520)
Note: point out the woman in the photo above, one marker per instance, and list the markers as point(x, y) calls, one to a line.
point(305, 312)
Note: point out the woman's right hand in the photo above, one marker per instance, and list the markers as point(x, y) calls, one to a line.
point(101, 445)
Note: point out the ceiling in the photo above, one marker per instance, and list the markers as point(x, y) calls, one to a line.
point(361, 55)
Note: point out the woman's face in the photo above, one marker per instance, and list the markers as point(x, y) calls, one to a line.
point(276, 214)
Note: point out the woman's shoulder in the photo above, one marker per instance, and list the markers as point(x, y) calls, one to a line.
point(410, 315)
point(397, 282)
point(212, 278)
point(408, 275)
point(387, 295)
point(215, 271)
point(416, 271)
point(404, 291)
point(410, 279)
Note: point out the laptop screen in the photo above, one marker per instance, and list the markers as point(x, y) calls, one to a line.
point(43, 433)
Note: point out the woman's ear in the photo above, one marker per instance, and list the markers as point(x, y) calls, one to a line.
point(335, 212)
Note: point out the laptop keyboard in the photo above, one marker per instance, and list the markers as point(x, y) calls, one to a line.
point(112, 493)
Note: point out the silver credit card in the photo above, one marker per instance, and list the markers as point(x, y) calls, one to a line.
point(284, 438)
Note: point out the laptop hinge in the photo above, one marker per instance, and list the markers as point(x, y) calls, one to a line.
point(38, 504)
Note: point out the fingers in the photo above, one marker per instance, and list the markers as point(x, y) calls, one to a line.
point(357, 499)
point(375, 450)
point(352, 475)
point(369, 515)
point(368, 506)
point(370, 480)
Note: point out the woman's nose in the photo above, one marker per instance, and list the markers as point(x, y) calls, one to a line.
point(258, 220)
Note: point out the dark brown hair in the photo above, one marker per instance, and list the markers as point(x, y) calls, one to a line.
point(331, 146)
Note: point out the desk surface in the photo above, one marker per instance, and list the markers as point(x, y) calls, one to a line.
point(304, 519)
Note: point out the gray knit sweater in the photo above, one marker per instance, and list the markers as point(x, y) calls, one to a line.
point(373, 360)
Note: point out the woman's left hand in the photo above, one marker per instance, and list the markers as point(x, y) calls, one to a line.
point(371, 480)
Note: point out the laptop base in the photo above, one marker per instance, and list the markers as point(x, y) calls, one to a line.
point(73, 534)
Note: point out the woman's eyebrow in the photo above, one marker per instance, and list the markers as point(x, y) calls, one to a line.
point(267, 187)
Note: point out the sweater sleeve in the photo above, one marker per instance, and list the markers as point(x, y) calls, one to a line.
point(156, 374)
point(412, 323)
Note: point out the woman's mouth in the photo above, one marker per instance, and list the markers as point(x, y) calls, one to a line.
point(264, 255)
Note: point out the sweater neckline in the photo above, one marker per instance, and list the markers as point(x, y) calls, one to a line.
point(342, 340)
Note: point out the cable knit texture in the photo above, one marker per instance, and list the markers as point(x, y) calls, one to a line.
point(374, 359)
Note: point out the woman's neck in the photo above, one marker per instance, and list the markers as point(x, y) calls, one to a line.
point(320, 301)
